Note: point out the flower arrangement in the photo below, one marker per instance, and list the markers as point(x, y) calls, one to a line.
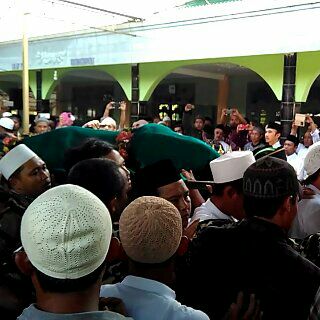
point(123, 139)
point(7, 144)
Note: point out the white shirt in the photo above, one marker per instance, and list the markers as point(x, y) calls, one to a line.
point(315, 138)
point(297, 163)
point(225, 146)
point(209, 211)
point(315, 135)
point(276, 145)
point(307, 220)
point(147, 299)
point(302, 151)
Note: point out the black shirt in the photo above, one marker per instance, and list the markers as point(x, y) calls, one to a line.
point(252, 256)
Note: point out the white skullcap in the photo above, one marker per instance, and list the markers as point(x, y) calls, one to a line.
point(66, 232)
point(150, 230)
point(166, 118)
point(7, 114)
point(41, 119)
point(14, 159)
point(108, 121)
point(312, 160)
point(7, 123)
point(231, 166)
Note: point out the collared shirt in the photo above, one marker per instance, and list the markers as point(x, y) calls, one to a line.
point(276, 145)
point(302, 151)
point(315, 135)
point(146, 299)
point(209, 211)
point(32, 313)
point(250, 146)
point(307, 220)
point(296, 162)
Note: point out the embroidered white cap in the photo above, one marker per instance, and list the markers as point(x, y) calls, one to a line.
point(7, 123)
point(14, 159)
point(231, 166)
point(66, 232)
point(312, 160)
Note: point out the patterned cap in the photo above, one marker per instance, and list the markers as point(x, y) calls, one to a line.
point(66, 232)
point(270, 178)
point(312, 160)
point(150, 230)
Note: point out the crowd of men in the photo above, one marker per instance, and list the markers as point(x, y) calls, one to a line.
point(109, 243)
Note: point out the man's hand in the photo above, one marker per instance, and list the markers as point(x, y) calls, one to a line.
point(94, 124)
point(191, 229)
point(123, 106)
point(235, 112)
point(113, 304)
point(307, 193)
point(110, 105)
point(312, 125)
point(188, 174)
point(236, 311)
point(294, 129)
point(188, 107)
point(308, 119)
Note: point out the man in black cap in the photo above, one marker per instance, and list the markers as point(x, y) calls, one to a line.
point(290, 148)
point(254, 256)
point(272, 137)
point(162, 179)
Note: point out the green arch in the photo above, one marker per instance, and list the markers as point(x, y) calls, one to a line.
point(308, 69)
point(268, 67)
point(121, 73)
point(32, 79)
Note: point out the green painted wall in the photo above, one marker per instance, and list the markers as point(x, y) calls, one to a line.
point(269, 67)
point(121, 73)
point(308, 69)
point(32, 80)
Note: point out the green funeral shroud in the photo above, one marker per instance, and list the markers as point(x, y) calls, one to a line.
point(154, 142)
point(51, 146)
point(149, 144)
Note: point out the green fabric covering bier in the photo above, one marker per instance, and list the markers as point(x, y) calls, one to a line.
point(149, 144)
point(51, 146)
point(154, 142)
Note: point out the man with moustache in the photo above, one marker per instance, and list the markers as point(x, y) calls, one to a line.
point(24, 177)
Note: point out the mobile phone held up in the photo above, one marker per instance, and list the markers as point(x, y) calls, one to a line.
point(116, 105)
point(300, 120)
